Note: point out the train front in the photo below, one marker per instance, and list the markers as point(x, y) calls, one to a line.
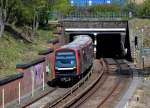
point(65, 65)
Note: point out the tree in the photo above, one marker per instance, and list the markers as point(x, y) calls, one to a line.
point(29, 12)
point(3, 14)
point(7, 13)
point(105, 8)
point(62, 6)
point(20, 12)
point(145, 11)
point(132, 7)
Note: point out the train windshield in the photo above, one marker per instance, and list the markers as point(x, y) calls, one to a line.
point(65, 60)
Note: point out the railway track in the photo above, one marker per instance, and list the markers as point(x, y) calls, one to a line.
point(118, 88)
point(74, 92)
point(97, 89)
point(52, 99)
point(86, 83)
point(96, 95)
point(51, 96)
point(28, 104)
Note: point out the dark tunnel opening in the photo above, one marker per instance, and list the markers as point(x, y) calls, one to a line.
point(112, 46)
point(109, 45)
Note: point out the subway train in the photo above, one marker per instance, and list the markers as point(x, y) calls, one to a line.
point(74, 59)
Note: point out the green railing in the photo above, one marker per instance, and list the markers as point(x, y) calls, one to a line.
point(84, 16)
point(97, 15)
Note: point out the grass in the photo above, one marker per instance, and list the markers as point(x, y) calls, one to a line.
point(14, 51)
point(144, 24)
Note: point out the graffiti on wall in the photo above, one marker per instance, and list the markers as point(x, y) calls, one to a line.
point(37, 73)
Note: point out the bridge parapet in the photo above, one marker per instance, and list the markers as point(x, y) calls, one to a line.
point(80, 15)
point(93, 24)
point(111, 16)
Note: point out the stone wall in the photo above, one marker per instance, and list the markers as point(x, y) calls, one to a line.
point(93, 24)
point(139, 28)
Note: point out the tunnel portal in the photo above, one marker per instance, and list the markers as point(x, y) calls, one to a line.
point(109, 44)
point(110, 38)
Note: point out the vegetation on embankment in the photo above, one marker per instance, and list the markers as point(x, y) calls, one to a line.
point(20, 37)
point(14, 51)
point(138, 25)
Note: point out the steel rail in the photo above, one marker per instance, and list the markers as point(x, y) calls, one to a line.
point(115, 87)
point(36, 99)
point(84, 95)
point(74, 88)
point(86, 90)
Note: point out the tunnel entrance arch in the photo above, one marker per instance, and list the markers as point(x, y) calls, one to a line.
point(113, 34)
point(108, 42)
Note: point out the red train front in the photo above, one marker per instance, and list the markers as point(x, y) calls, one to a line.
point(73, 59)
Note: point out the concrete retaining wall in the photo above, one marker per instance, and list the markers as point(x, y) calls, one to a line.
point(34, 75)
point(9, 90)
point(31, 76)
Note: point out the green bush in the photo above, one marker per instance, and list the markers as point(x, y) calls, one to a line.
point(145, 8)
point(131, 7)
point(139, 10)
point(105, 8)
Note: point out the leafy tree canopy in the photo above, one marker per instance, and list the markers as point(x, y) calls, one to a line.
point(146, 8)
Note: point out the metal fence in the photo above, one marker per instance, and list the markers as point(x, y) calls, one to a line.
point(97, 15)
point(89, 15)
point(96, 2)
